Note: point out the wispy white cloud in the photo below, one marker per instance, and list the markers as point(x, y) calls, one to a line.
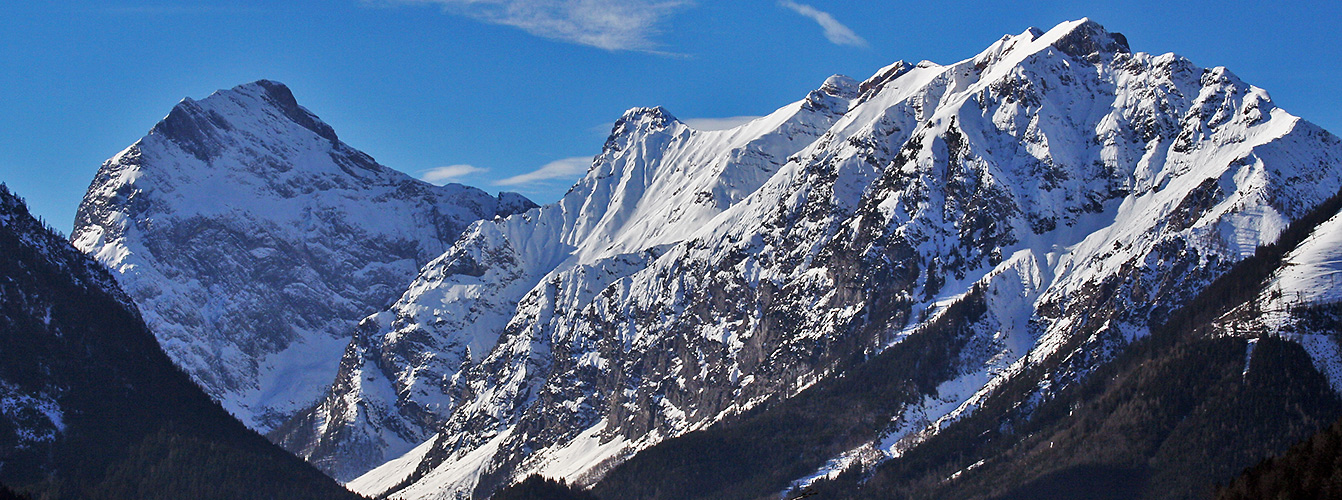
point(606, 24)
point(835, 31)
point(567, 168)
point(442, 175)
point(718, 123)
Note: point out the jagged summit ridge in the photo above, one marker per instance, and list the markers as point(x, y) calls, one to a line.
point(656, 182)
point(253, 239)
point(1072, 189)
point(199, 129)
point(1087, 40)
point(840, 86)
point(691, 276)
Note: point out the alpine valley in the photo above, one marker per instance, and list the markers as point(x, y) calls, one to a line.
point(1056, 269)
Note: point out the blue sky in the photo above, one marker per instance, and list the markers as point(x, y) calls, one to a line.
point(515, 94)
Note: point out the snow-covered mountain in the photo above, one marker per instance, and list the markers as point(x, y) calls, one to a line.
point(253, 240)
point(1081, 190)
point(656, 182)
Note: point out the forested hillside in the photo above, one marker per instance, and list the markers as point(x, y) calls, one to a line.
point(91, 407)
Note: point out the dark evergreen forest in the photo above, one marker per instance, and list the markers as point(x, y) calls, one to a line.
point(134, 425)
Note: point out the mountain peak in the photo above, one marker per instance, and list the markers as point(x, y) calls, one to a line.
point(840, 86)
point(1086, 39)
point(1083, 39)
point(241, 181)
point(655, 115)
point(198, 126)
point(835, 96)
point(278, 95)
point(649, 119)
point(276, 90)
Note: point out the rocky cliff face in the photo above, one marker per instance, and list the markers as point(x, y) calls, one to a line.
point(253, 239)
point(1082, 189)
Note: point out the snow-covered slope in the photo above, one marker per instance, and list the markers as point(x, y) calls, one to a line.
point(1302, 301)
point(656, 181)
point(692, 275)
point(253, 240)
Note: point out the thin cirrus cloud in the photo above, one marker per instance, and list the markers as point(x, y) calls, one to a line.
point(442, 175)
point(567, 168)
point(835, 31)
point(605, 24)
